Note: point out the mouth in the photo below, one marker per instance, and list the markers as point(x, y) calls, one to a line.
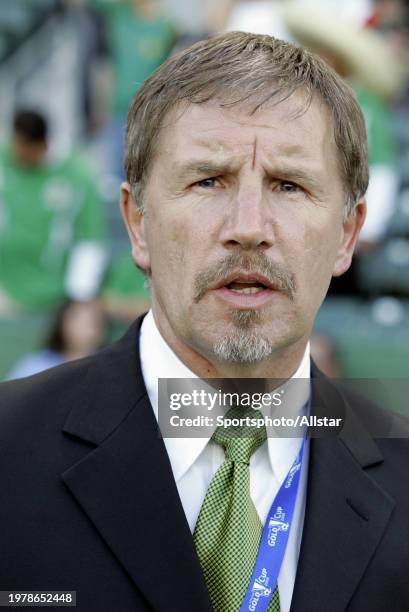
point(246, 288)
point(245, 291)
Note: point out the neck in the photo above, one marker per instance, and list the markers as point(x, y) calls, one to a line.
point(146, 10)
point(70, 354)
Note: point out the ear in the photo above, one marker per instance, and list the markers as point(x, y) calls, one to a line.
point(135, 225)
point(349, 236)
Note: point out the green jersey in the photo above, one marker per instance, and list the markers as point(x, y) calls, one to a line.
point(138, 46)
point(44, 212)
point(125, 280)
point(378, 120)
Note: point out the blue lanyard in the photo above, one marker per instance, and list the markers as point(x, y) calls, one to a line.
point(273, 542)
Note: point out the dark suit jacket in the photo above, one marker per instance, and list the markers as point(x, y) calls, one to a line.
point(89, 503)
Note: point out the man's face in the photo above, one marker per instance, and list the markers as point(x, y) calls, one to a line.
point(243, 228)
point(27, 153)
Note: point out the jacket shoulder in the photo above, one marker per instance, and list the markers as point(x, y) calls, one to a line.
point(101, 382)
point(42, 397)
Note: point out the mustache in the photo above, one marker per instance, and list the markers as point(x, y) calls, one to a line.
point(256, 263)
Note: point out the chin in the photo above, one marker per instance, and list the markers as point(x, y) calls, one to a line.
point(243, 348)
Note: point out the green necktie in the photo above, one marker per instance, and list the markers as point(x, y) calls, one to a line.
point(228, 529)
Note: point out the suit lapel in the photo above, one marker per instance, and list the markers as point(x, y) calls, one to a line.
point(346, 512)
point(125, 485)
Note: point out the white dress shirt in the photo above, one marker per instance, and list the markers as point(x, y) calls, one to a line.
point(194, 461)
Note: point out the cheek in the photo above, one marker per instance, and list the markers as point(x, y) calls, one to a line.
point(169, 258)
point(173, 245)
point(309, 244)
point(321, 246)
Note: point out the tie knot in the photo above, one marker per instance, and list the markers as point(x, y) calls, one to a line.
point(242, 438)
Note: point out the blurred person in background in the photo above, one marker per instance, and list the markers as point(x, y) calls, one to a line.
point(391, 18)
point(78, 330)
point(51, 223)
point(139, 37)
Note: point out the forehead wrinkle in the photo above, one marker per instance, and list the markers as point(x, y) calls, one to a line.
point(253, 165)
point(285, 148)
point(216, 145)
point(223, 159)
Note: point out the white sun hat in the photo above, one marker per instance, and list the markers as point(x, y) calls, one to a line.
point(364, 52)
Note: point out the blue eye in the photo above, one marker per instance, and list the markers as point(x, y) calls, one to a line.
point(207, 183)
point(288, 187)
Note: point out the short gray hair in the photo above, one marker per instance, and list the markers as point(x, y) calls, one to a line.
point(240, 68)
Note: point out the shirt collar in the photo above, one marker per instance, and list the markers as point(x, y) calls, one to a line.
point(162, 362)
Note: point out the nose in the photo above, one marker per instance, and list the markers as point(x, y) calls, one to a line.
point(248, 222)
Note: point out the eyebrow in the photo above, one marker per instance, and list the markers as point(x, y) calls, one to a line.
point(206, 168)
point(298, 175)
point(203, 168)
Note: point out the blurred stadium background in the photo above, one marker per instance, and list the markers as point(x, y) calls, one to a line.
point(76, 64)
